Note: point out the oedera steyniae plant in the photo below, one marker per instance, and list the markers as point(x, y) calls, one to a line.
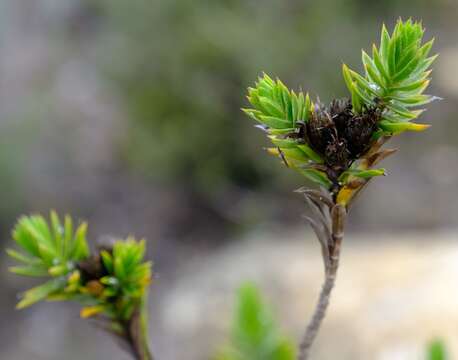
point(111, 283)
point(337, 146)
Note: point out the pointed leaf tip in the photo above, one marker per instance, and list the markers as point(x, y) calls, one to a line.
point(398, 127)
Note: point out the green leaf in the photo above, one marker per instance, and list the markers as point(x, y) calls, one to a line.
point(24, 239)
point(347, 77)
point(419, 85)
point(367, 174)
point(398, 127)
point(404, 72)
point(384, 41)
point(59, 270)
point(391, 58)
point(80, 249)
point(57, 230)
point(39, 293)
point(37, 270)
point(372, 72)
point(295, 154)
point(21, 258)
point(397, 70)
point(356, 100)
point(275, 122)
point(402, 111)
point(306, 109)
point(357, 96)
point(295, 107)
point(47, 254)
point(281, 131)
point(414, 100)
point(365, 86)
point(381, 66)
point(270, 107)
point(426, 48)
point(283, 143)
point(364, 174)
point(310, 153)
point(316, 176)
point(107, 261)
point(68, 236)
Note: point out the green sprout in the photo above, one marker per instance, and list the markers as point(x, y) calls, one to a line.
point(396, 76)
point(437, 350)
point(255, 336)
point(111, 284)
point(336, 146)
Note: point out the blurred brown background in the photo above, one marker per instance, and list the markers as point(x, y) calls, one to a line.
point(126, 113)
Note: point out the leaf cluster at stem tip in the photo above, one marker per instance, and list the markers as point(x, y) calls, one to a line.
point(383, 101)
point(395, 77)
point(279, 111)
point(112, 282)
point(49, 250)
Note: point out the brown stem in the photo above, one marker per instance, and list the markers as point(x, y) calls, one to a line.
point(136, 337)
point(317, 318)
point(334, 241)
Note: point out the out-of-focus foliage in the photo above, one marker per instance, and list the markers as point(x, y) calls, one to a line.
point(437, 351)
point(123, 284)
point(48, 251)
point(179, 67)
point(113, 282)
point(255, 336)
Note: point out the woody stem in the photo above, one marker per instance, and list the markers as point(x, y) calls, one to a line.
point(331, 266)
point(136, 338)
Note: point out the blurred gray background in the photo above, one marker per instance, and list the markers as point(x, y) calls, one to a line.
point(126, 114)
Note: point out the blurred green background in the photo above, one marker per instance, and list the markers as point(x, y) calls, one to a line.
point(126, 113)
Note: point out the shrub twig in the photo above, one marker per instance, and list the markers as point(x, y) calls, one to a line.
point(331, 216)
point(336, 146)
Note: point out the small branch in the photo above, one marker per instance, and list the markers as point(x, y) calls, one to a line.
point(317, 318)
point(136, 337)
point(331, 262)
